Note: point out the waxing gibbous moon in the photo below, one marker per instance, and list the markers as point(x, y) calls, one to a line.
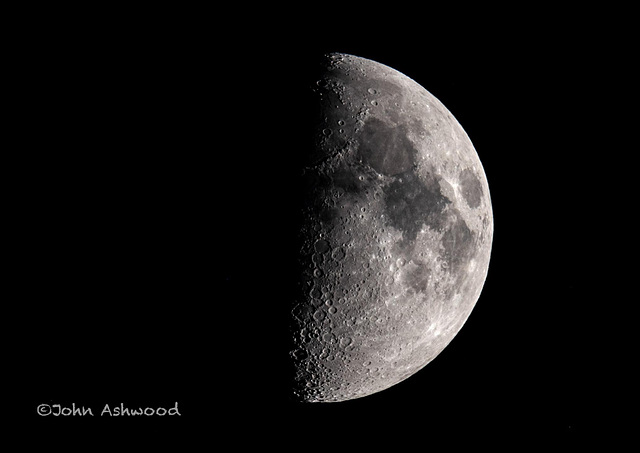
point(396, 232)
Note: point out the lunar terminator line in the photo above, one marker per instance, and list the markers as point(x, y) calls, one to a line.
point(396, 233)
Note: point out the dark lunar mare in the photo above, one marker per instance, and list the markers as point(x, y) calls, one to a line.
point(410, 203)
point(386, 149)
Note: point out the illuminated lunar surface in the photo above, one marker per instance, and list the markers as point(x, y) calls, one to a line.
point(396, 233)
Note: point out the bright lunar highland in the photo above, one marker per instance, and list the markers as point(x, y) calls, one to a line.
point(396, 232)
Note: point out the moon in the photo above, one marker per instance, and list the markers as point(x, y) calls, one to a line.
point(395, 235)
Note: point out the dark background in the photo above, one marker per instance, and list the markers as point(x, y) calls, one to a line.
point(150, 204)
